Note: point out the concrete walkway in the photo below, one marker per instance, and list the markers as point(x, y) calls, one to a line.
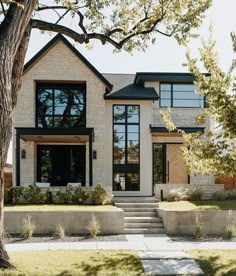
point(144, 242)
point(158, 253)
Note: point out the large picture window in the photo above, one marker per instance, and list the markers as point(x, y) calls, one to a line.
point(126, 147)
point(180, 95)
point(61, 105)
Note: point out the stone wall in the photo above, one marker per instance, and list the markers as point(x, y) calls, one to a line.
point(208, 190)
point(75, 222)
point(213, 222)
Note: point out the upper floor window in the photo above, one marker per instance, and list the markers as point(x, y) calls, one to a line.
point(60, 105)
point(179, 95)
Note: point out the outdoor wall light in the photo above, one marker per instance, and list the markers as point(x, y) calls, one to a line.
point(23, 154)
point(94, 154)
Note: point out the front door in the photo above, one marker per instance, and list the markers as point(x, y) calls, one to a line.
point(168, 164)
point(176, 169)
point(60, 165)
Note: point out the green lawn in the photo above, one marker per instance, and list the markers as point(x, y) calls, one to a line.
point(55, 207)
point(75, 262)
point(199, 205)
point(215, 262)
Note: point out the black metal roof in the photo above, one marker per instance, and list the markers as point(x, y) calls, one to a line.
point(133, 92)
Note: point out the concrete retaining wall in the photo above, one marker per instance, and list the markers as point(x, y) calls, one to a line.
point(184, 222)
point(75, 222)
point(207, 189)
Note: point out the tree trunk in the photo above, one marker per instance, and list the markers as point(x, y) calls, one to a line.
point(14, 37)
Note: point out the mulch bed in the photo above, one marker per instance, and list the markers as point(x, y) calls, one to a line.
point(188, 238)
point(42, 239)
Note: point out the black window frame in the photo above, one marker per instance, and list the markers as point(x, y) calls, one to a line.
point(125, 168)
point(172, 96)
point(55, 86)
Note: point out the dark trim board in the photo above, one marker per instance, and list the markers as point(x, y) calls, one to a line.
point(141, 77)
point(186, 129)
point(57, 38)
point(55, 131)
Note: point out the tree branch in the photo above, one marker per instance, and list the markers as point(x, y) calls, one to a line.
point(18, 66)
point(3, 9)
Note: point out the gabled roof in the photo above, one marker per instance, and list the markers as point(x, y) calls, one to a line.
point(51, 43)
point(133, 92)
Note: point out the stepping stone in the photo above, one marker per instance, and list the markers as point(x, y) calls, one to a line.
point(171, 267)
point(157, 255)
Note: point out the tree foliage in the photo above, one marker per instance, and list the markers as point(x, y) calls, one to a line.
point(215, 151)
point(216, 154)
point(124, 23)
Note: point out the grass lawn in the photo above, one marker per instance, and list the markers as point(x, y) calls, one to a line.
point(199, 205)
point(55, 207)
point(215, 262)
point(75, 262)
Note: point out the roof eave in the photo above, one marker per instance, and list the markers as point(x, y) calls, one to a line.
point(51, 43)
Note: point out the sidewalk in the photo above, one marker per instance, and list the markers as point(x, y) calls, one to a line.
point(146, 242)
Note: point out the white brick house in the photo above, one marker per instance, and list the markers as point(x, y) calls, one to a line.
point(74, 125)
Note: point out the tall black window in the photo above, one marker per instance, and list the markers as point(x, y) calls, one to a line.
point(61, 105)
point(126, 147)
point(180, 95)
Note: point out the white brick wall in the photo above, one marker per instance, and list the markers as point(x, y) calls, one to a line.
point(61, 64)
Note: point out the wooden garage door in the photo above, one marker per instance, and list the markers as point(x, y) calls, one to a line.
point(175, 165)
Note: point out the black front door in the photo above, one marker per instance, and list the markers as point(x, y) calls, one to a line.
point(60, 165)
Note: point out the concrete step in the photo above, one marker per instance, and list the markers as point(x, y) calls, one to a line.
point(135, 225)
point(140, 214)
point(129, 199)
point(142, 219)
point(137, 204)
point(144, 231)
point(141, 209)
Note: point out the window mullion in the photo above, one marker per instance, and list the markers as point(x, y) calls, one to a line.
point(172, 96)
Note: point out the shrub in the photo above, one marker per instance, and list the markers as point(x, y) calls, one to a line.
point(178, 194)
point(185, 194)
point(198, 232)
point(32, 194)
point(99, 195)
point(230, 231)
point(195, 194)
point(80, 196)
point(65, 195)
point(60, 232)
point(28, 228)
point(225, 195)
point(94, 227)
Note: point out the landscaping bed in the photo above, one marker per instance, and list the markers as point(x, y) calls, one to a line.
point(68, 238)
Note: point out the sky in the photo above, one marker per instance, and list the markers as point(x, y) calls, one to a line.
point(164, 56)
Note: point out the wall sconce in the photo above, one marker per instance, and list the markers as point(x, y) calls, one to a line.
point(94, 154)
point(23, 154)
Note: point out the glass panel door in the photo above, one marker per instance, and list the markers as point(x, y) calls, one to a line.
point(60, 165)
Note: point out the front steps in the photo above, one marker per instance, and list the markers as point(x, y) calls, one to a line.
point(140, 215)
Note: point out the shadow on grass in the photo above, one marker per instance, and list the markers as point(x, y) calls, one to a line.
point(114, 265)
point(212, 266)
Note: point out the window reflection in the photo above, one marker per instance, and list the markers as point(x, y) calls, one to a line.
point(62, 106)
point(180, 95)
point(126, 147)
